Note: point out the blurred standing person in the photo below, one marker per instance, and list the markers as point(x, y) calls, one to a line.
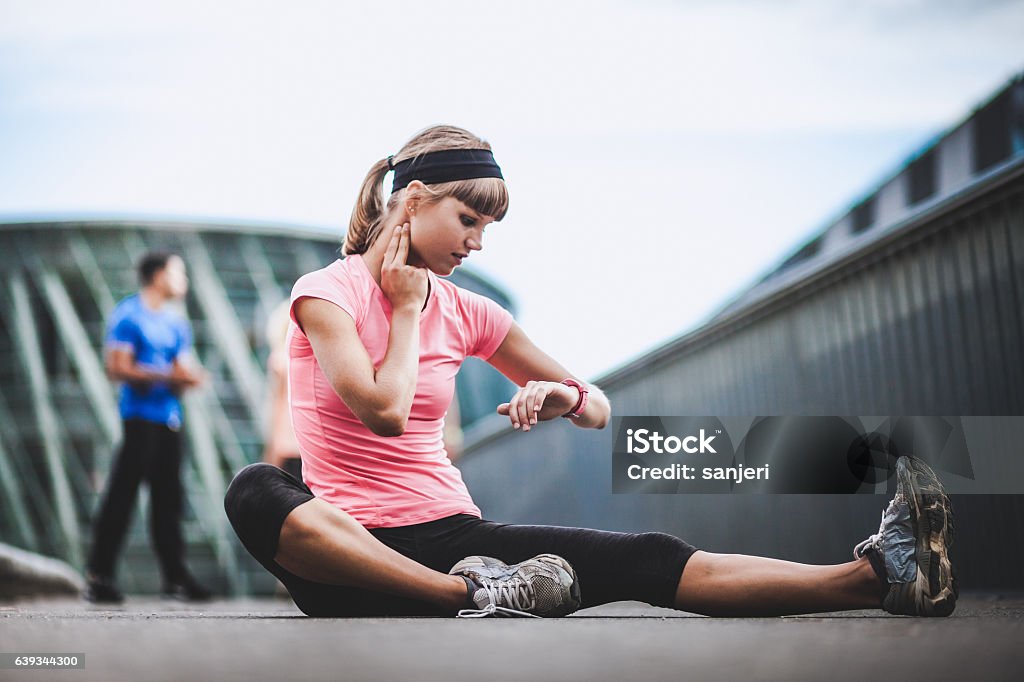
point(280, 447)
point(147, 350)
point(452, 434)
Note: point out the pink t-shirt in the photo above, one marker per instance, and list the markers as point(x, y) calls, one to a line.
point(387, 482)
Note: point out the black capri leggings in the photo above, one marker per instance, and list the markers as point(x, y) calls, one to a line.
point(610, 566)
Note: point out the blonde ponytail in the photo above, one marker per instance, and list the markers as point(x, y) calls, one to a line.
point(368, 214)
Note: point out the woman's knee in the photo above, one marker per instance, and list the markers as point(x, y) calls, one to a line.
point(663, 557)
point(243, 490)
point(658, 547)
point(257, 501)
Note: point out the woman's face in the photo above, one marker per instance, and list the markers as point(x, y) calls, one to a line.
point(444, 233)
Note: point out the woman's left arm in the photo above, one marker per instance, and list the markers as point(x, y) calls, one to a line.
point(542, 396)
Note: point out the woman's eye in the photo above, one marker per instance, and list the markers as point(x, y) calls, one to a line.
point(467, 221)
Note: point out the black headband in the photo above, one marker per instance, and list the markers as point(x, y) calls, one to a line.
point(444, 166)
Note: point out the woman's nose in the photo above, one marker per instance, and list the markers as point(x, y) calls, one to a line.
point(473, 244)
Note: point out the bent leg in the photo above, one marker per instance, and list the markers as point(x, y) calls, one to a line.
point(740, 585)
point(331, 565)
point(321, 543)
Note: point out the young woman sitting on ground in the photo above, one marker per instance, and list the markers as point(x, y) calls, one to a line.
point(384, 525)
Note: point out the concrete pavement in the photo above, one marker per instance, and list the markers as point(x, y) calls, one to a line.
point(149, 639)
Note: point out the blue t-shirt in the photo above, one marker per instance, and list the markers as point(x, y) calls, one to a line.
point(155, 338)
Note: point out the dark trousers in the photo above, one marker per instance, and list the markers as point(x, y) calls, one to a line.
point(151, 452)
point(610, 566)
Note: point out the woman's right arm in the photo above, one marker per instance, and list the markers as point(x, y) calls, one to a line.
point(381, 397)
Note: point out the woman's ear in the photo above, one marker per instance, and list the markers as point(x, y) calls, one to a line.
point(413, 196)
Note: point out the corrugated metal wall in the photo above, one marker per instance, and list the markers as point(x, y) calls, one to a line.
point(925, 320)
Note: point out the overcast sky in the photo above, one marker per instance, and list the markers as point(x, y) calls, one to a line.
point(660, 155)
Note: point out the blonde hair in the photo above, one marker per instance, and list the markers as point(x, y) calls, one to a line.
point(487, 196)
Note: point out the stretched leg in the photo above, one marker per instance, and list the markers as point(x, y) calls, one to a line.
point(740, 585)
point(663, 570)
point(321, 543)
point(331, 565)
point(911, 551)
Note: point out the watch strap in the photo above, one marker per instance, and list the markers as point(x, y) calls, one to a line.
point(581, 404)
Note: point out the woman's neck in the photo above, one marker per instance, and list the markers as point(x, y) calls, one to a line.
point(374, 259)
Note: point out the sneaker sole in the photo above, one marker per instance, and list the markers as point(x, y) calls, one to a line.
point(932, 517)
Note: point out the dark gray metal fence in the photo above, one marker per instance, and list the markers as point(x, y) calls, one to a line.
point(920, 315)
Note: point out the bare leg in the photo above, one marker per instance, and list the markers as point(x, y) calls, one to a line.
point(740, 585)
point(319, 542)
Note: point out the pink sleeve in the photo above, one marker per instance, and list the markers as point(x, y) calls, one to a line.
point(487, 324)
point(320, 284)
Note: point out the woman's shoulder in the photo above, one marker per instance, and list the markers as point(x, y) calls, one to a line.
point(343, 283)
point(341, 274)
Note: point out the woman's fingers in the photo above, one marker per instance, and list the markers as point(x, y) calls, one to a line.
point(523, 410)
point(402, 255)
point(540, 394)
point(532, 400)
point(398, 247)
point(389, 255)
point(513, 409)
point(535, 398)
point(401, 282)
point(525, 407)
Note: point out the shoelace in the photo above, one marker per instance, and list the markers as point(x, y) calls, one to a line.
point(491, 609)
point(514, 592)
point(874, 541)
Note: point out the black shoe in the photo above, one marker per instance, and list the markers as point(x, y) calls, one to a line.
point(102, 590)
point(186, 589)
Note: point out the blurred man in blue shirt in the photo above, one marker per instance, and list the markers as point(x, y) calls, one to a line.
point(147, 349)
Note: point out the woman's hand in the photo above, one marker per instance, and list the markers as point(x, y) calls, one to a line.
point(404, 285)
point(539, 401)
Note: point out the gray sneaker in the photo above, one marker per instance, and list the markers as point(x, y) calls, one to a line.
point(542, 587)
point(911, 547)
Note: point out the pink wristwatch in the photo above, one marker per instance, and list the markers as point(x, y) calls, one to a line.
point(581, 404)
